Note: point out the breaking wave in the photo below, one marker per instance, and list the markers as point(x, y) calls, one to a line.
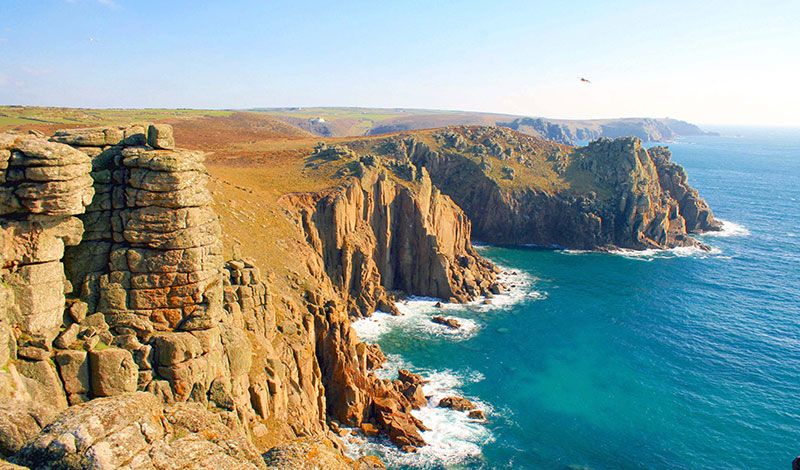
point(453, 438)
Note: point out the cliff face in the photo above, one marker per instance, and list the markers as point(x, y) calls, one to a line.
point(570, 132)
point(374, 235)
point(521, 190)
point(142, 301)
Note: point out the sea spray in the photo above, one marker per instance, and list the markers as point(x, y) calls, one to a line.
point(452, 438)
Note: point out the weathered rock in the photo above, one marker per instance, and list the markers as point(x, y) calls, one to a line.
point(159, 136)
point(133, 430)
point(73, 367)
point(5, 465)
point(42, 383)
point(477, 414)
point(104, 433)
point(608, 194)
point(112, 371)
point(33, 353)
point(67, 337)
point(307, 454)
point(456, 403)
point(369, 462)
point(20, 422)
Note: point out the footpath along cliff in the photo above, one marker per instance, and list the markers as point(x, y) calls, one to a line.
point(127, 339)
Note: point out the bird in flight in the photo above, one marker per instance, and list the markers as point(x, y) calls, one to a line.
point(584, 80)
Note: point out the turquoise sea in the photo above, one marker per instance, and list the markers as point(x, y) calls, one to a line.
point(676, 359)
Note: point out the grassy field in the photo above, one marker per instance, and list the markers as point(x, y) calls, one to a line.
point(12, 117)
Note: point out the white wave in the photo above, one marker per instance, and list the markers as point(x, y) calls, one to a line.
point(729, 229)
point(416, 313)
point(651, 254)
point(577, 252)
point(518, 287)
point(389, 369)
point(415, 318)
point(452, 438)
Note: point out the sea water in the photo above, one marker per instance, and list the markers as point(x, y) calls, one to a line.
point(676, 359)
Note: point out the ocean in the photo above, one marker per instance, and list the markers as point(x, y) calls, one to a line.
point(657, 359)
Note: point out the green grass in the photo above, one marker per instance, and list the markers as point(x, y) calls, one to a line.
point(12, 116)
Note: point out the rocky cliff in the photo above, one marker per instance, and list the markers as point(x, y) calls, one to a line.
point(171, 356)
point(518, 189)
point(570, 132)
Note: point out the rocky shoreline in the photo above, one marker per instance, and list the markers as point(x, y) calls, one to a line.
point(132, 336)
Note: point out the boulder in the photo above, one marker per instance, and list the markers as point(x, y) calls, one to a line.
point(159, 136)
point(456, 403)
point(112, 372)
point(310, 453)
point(103, 433)
point(73, 367)
point(20, 422)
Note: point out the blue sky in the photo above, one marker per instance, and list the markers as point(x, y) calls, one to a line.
point(710, 62)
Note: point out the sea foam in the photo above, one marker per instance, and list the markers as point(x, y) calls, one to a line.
point(416, 312)
point(452, 439)
point(729, 229)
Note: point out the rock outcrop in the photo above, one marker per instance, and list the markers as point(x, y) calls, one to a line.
point(611, 193)
point(383, 230)
point(146, 303)
point(136, 431)
point(114, 285)
point(674, 180)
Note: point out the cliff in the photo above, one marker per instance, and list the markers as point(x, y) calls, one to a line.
point(572, 131)
point(518, 189)
point(119, 312)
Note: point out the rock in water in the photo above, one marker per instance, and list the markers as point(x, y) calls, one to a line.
point(446, 321)
point(456, 403)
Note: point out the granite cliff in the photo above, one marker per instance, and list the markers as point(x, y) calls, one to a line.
point(570, 132)
point(518, 189)
point(129, 340)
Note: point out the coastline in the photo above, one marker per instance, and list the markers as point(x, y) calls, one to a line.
point(453, 438)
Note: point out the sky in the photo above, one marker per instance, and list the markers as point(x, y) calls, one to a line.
point(709, 62)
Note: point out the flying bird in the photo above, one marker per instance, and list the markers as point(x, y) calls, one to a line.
point(584, 80)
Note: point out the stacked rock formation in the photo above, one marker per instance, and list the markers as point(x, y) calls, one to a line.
point(43, 185)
